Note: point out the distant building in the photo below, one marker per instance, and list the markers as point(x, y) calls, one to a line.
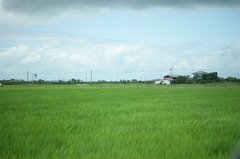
point(198, 74)
point(174, 77)
point(164, 81)
point(167, 80)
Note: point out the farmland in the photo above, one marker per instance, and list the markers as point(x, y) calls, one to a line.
point(119, 122)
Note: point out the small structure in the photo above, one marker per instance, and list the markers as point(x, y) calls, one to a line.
point(198, 75)
point(167, 80)
point(164, 81)
point(174, 77)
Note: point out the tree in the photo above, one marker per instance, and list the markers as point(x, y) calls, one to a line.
point(231, 79)
point(73, 81)
point(40, 81)
point(210, 77)
point(181, 79)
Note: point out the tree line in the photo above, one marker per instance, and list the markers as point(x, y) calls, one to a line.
point(205, 78)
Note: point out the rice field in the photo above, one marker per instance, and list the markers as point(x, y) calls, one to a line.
point(119, 123)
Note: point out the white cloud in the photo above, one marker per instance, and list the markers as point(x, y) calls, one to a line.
point(82, 53)
point(15, 53)
point(228, 58)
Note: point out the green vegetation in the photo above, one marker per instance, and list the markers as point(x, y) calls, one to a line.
point(123, 122)
point(205, 78)
point(210, 77)
point(71, 82)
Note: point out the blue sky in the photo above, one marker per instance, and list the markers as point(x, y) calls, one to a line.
point(118, 40)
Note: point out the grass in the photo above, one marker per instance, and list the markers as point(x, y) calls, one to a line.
point(109, 122)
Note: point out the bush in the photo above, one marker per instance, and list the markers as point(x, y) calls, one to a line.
point(210, 77)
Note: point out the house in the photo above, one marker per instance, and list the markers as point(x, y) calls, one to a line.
point(174, 77)
point(164, 81)
point(198, 75)
point(167, 80)
point(167, 77)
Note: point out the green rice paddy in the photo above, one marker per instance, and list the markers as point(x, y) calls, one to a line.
point(119, 123)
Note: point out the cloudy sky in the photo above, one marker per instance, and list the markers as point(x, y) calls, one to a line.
point(125, 39)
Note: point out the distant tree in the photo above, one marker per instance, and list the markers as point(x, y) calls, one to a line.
point(210, 77)
point(73, 81)
point(40, 81)
point(134, 80)
point(220, 79)
point(182, 80)
point(232, 79)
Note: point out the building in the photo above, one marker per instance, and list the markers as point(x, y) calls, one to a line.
point(198, 74)
point(164, 81)
point(167, 80)
point(174, 77)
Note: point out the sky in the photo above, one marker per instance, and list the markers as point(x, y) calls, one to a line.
point(127, 39)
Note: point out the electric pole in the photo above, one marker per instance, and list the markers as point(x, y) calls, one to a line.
point(27, 77)
point(91, 77)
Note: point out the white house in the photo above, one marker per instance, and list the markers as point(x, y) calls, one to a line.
point(167, 80)
point(164, 81)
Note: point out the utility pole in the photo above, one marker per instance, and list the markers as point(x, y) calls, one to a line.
point(171, 71)
point(91, 77)
point(27, 77)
